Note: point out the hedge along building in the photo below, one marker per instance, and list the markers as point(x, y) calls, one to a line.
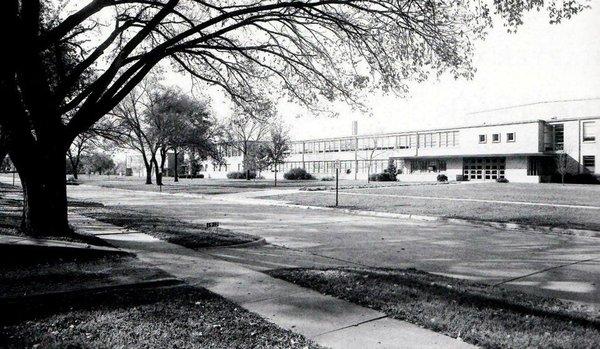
point(524, 151)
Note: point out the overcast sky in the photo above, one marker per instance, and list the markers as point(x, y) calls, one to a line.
point(541, 62)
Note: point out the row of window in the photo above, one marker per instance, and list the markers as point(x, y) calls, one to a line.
point(497, 137)
point(421, 140)
point(346, 166)
point(558, 133)
point(426, 166)
point(473, 168)
point(416, 140)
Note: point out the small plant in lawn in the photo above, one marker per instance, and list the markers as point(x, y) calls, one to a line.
point(298, 174)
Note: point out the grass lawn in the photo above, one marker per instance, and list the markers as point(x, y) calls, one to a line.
point(201, 186)
point(190, 235)
point(572, 194)
point(564, 217)
point(478, 314)
point(159, 317)
point(174, 317)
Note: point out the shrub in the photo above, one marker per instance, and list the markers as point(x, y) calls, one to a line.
point(241, 175)
point(462, 178)
point(391, 170)
point(382, 177)
point(236, 175)
point(581, 178)
point(297, 174)
point(328, 179)
point(190, 176)
point(502, 180)
point(442, 178)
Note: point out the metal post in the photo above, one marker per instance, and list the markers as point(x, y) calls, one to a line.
point(337, 174)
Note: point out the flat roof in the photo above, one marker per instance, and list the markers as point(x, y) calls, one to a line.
point(398, 133)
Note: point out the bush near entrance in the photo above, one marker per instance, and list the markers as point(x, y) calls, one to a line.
point(442, 178)
point(382, 177)
point(297, 174)
point(241, 175)
point(582, 178)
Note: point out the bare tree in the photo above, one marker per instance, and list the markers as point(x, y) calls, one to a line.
point(133, 118)
point(314, 50)
point(563, 163)
point(372, 152)
point(274, 151)
point(244, 131)
point(80, 146)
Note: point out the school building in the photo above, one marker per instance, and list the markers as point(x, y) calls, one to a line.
point(524, 151)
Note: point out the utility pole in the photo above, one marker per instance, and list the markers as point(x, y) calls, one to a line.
point(337, 177)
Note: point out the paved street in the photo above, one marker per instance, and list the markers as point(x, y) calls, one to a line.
point(557, 265)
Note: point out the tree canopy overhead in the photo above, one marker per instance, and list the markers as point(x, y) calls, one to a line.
point(330, 49)
point(71, 62)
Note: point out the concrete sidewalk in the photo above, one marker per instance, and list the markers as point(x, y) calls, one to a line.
point(328, 321)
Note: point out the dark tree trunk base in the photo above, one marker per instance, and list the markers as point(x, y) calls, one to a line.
point(45, 196)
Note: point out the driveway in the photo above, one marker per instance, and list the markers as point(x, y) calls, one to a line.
point(566, 267)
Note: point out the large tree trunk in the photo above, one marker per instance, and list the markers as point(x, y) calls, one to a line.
point(44, 193)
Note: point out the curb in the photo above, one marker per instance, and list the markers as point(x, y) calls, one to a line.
point(163, 282)
point(497, 225)
point(59, 245)
point(256, 243)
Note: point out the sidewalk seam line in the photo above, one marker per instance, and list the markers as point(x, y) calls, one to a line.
point(543, 271)
point(353, 325)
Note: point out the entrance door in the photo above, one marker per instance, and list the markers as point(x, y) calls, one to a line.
point(484, 169)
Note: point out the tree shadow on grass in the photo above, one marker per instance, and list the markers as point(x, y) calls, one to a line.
point(483, 315)
point(57, 320)
point(167, 317)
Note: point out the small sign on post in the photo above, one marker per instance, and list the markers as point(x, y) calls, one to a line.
point(338, 165)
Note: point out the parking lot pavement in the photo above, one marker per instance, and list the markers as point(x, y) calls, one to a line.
point(553, 265)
